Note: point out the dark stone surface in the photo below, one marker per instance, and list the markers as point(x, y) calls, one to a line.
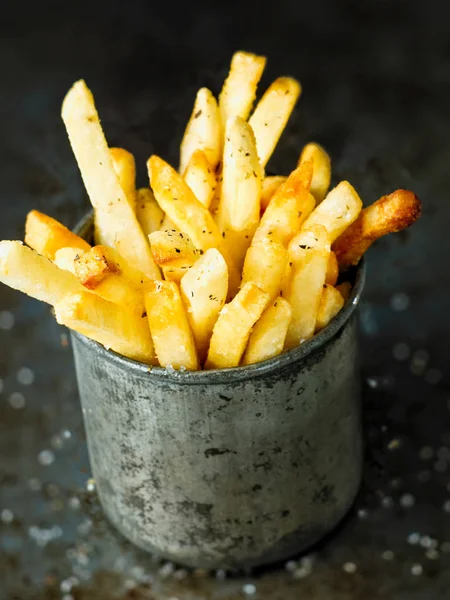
point(376, 78)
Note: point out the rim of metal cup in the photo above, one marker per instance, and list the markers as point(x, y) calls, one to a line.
point(235, 373)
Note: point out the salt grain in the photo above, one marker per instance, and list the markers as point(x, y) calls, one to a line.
point(413, 538)
point(7, 516)
point(401, 351)
point(407, 500)
point(17, 400)
point(432, 554)
point(25, 376)
point(387, 555)
point(349, 567)
point(446, 506)
point(90, 485)
point(416, 569)
point(34, 484)
point(46, 457)
point(249, 589)
point(399, 301)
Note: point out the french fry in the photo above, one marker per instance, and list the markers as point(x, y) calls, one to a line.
point(269, 334)
point(169, 327)
point(172, 248)
point(232, 329)
point(47, 235)
point(107, 323)
point(265, 264)
point(330, 304)
point(114, 216)
point(177, 200)
point(345, 289)
point(27, 271)
point(65, 258)
point(310, 261)
point(175, 274)
point(148, 211)
point(321, 170)
point(239, 207)
point(201, 178)
point(167, 225)
point(125, 168)
point(203, 131)
point(336, 212)
point(269, 186)
point(289, 207)
point(332, 270)
point(239, 90)
point(98, 271)
point(387, 215)
point(204, 291)
point(271, 115)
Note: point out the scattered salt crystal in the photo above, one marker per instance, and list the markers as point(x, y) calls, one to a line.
point(387, 555)
point(446, 506)
point(221, 574)
point(290, 566)
point(46, 457)
point(387, 502)
point(399, 301)
point(25, 376)
point(249, 589)
point(407, 500)
point(7, 515)
point(416, 569)
point(432, 554)
point(74, 503)
point(34, 484)
point(401, 351)
point(17, 400)
point(166, 570)
point(413, 538)
point(363, 513)
point(349, 567)
point(6, 320)
point(90, 485)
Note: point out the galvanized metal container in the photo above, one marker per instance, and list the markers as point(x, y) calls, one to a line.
point(233, 468)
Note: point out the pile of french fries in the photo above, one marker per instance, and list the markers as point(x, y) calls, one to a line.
point(214, 265)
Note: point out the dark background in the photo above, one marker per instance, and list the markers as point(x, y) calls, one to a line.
point(376, 81)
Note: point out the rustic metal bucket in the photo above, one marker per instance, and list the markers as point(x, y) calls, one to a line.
point(230, 468)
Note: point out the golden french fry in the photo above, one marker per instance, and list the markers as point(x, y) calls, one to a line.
point(330, 304)
point(175, 273)
point(65, 258)
point(47, 235)
point(148, 211)
point(336, 212)
point(387, 215)
point(125, 168)
point(115, 218)
point(204, 291)
point(239, 90)
point(265, 264)
point(321, 170)
point(173, 248)
point(203, 131)
point(169, 327)
point(98, 271)
point(111, 256)
point(107, 323)
point(239, 207)
point(269, 334)
point(344, 289)
point(289, 207)
point(310, 261)
point(233, 327)
point(177, 200)
point(167, 225)
point(201, 178)
point(269, 186)
point(332, 270)
point(271, 115)
point(27, 271)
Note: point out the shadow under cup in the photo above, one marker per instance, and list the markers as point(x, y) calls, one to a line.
point(230, 468)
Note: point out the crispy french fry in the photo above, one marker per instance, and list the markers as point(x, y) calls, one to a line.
point(336, 212)
point(271, 115)
point(344, 289)
point(167, 225)
point(201, 178)
point(233, 327)
point(330, 304)
point(265, 264)
point(269, 186)
point(239, 207)
point(289, 207)
point(125, 168)
point(175, 273)
point(177, 200)
point(388, 214)
point(310, 261)
point(65, 258)
point(27, 271)
point(98, 271)
point(107, 323)
point(269, 334)
point(321, 170)
point(47, 235)
point(172, 248)
point(239, 90)
point(332, 269)
point(203, 131)
point(148, 211)
point(114, 216)
point(169, 327)
point(204, 291)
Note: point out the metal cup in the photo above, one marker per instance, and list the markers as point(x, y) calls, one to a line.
point(229, 468)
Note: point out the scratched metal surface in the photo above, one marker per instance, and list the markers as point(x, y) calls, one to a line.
point(376, 79)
